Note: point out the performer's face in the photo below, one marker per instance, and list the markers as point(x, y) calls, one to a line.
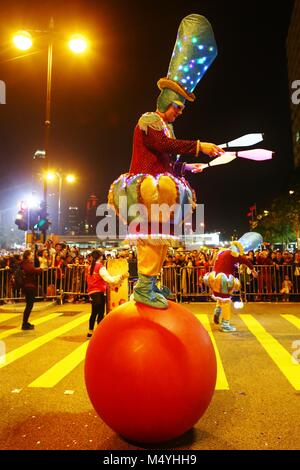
point(173, 112)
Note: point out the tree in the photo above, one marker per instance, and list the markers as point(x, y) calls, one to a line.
point(281, 224)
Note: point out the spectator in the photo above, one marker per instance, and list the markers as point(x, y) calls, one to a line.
point(287, 287)
point(264, 262)
point(58, 264)
point(49, 246)
point(278, 278)
point(30, 286)
point(203, 268)
point(296, 272)
point(44, 260)
point(287, 263)
point(97, 279)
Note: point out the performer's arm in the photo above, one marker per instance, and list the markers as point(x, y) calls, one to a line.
point(248, 263)
point(157, 141)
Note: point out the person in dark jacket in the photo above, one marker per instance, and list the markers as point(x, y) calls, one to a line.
point(30, 286)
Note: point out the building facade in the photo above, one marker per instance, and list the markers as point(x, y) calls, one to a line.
point(91, 218)
point(293, 54)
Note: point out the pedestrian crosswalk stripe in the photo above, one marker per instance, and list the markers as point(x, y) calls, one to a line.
point(292, 319)
point(40, 341)
point(7, 316)
point(281, 357)
point(61, 369)
point(37, 321)
point(221, 383)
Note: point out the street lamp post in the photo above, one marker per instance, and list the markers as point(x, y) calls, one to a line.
point(78, 45)
point(48, 107)
point(50, 176)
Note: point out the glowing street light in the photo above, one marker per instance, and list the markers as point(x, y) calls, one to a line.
point(50, 176)
point(78, 44)
point(70, 179)
point(22, 40)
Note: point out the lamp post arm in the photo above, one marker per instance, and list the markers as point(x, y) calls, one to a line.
point(48, 99)
point(48, 111)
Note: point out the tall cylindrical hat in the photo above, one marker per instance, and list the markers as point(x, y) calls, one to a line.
point(194, 51)
point(249, 241)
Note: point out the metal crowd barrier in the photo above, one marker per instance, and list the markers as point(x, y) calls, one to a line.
point(49, 285)
point(74, 280)
point(271, 284)
point(275, 282)
point(185, 282)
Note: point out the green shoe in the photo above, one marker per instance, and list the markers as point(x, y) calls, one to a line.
point(226, 327)
point(145, 294)
point(165, 291)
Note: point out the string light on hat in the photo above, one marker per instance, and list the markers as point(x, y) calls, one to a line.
point(195, 49)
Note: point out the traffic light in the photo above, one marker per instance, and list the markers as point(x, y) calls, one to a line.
point(42, 225)
point(40, 220)
point(22, 219)
point(32, 219)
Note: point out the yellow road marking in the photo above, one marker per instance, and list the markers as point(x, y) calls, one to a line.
point(62, 368)
point(281, 357)
point(7, 316)
point(38, 321)
point(292, 319)
point(37, 342)
point(222, 383)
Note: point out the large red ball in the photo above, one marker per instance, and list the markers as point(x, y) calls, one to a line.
point(150, 373)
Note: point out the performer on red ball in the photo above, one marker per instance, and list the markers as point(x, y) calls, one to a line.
point(156, 175)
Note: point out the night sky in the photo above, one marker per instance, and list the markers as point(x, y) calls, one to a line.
point(97, 98)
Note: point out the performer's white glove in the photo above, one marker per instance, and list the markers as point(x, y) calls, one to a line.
point(195, 167)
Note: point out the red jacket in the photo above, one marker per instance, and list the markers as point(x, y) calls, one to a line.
point(30, 281)
point(226, 262)
point(95, 283)
point(153, 151)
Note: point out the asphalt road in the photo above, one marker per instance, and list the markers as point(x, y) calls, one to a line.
point(44, 404)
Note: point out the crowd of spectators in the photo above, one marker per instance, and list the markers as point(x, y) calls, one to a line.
point(278, 271)
point(64, 269)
